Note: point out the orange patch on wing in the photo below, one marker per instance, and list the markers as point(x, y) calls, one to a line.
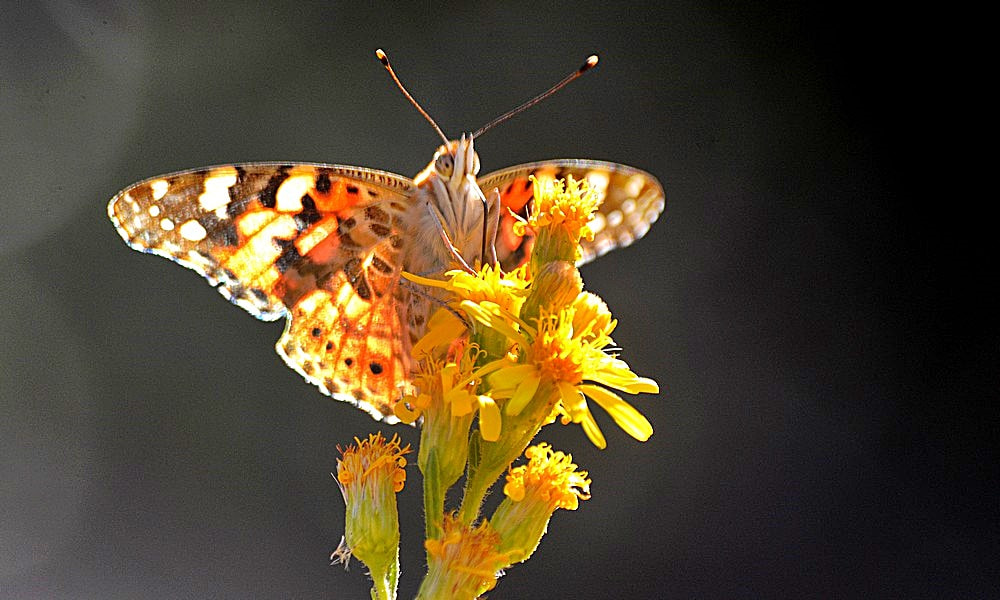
point(517, 194)
point(341, 196)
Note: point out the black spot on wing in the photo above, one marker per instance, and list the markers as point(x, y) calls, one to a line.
point(240, 193)
point(380, 265)
point(221, 232)
point(268, 196)
point(323, 182)
point(309, 213)
point(362, 290)
point(289, 254)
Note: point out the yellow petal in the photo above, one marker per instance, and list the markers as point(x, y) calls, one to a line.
point(592, 430)
point(489, 419)
point(462, 402)
point(424, 280)
point(490, 315)
point(525, 392)
point(511, 377)
point(624, 414)
point(621, 378)
point(442, 329)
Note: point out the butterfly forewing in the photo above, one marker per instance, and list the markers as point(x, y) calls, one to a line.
point(632, 200)
point(323, 244)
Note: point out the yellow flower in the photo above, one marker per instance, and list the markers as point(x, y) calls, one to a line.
point(489, 284)
point(463, 562)
point(447, 399)
point(534, 491)
point(559, 215)
point(450, 388)
point(565, 354)
point(549, 477)
point(370, 474)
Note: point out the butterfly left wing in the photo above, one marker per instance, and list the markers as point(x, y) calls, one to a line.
point(632, 200)
point(319, 243)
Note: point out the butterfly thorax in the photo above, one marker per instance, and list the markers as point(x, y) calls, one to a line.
point(458, 218)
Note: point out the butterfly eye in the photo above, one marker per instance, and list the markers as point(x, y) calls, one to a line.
point(445, 164)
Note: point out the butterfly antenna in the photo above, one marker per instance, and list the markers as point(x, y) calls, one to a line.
point(589, 64)
point(385, 63)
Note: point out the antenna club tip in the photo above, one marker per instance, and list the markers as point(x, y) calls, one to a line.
point(380, 55)
point(590, 63)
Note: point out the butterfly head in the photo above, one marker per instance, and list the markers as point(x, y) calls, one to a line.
point(456, 159)
point(459, 206)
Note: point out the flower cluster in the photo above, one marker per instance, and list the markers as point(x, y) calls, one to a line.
point(506, 354)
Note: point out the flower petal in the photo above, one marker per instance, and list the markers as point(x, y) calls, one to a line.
point(624, 414)
point(592, 430)
point(525, 392)
point(489, 419)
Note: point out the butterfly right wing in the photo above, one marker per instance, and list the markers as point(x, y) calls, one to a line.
point(322, 244)
point(632, 200)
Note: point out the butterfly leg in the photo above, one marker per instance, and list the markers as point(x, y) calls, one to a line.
point(491, 224)
point(447, 240)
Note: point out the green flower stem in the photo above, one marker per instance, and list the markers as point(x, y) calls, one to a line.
point(434, 492)
point(384, 583)
point(495, 457)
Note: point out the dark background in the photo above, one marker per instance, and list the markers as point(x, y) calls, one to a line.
point(799, 303)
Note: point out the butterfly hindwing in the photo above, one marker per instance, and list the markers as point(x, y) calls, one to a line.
point(632, 201)
point(344, 330)
point(319, 243)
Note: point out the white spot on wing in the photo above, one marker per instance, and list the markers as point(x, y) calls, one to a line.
point(290, 192)
point(154, 211)
point(192, 230)
point(167, 224)
point(217, 184)
point(159, 188)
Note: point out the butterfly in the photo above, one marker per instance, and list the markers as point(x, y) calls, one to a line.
point(324, 246)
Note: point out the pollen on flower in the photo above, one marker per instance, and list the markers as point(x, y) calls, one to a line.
point(566, 204)
point(550, 477)
point(567, 353)
point(370, 473)
point(534, 491)
point(559, 355)
point(370, 459)
point(464, 561)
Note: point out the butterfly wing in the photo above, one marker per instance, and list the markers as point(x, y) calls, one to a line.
point(320, 244)
point(632, 201)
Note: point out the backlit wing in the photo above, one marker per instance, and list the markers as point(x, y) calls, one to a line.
point(322, 244)
point(632, 201)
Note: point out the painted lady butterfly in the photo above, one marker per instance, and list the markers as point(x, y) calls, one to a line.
point(323, 245)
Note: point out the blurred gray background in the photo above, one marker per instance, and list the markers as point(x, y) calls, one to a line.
point(809, 441)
